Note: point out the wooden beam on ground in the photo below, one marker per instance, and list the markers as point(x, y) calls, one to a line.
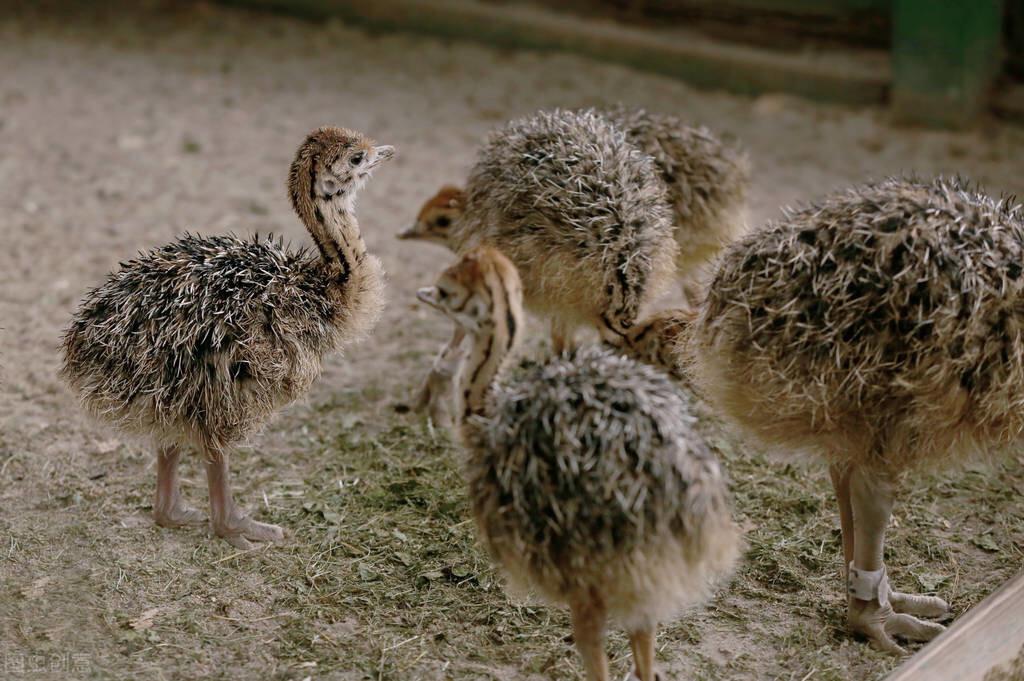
point(679, 53)
point(945, 58)
point(989, 636)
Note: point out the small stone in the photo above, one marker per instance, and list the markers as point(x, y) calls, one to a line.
point(130, 142)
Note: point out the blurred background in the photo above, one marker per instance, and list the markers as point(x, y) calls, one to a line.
point(936, 63)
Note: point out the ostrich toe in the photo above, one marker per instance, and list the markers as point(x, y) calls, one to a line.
point(178, 515)
point(921, 606)
point(241, 530)
point(880, 623)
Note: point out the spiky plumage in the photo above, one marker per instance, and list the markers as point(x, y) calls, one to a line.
point(706, 180)
point(580, 212)
point(207, 336)
point(589, 474)
point(883, 327)
point(199, 341)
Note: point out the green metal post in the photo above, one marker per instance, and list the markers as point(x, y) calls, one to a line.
point(945, 57)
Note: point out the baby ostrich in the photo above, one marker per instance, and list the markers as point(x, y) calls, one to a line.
point(581, 213)
point(587, 479)
point(706, 182)
point(198, 342)
point(882, 330)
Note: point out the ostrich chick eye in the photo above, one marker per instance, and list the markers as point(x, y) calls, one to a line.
point(443, 221)
point(357, 158)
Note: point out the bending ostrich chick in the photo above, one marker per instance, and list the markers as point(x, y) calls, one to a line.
point(198, 342)
point(882, 330)
point(587, 479)
point(706, 182)
point(581, 213)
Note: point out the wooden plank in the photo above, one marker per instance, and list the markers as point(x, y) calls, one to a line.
point(945, 59)
point(779, 24)
point(988, 636)
point(681, 54)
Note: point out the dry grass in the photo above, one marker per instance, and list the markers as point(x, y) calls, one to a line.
point(381, 579)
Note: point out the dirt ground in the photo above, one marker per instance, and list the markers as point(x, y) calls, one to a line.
point(119, 132)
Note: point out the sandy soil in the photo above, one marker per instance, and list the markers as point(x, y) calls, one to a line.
point(118, 133)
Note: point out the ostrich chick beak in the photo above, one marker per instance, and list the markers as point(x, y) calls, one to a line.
point(428, 295)
point(385, 152)
point(408, 233)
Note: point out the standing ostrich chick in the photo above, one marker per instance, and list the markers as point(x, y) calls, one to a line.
point(198, 342)
point(882, 330)
point(580, 211)
point(587, 479)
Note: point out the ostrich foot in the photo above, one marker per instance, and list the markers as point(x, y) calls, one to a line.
point(179, 514)
point(169, 510)
point(642, 644)
point(240, 530)
point(881, 614)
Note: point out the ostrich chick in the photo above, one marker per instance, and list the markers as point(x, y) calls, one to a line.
point(587, 479)
point(882, 330)
point(706, 181)
point(198, 342)
point(580, 211)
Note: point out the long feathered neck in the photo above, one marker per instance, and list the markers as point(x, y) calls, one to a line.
point(331, 221)
point(491, 344)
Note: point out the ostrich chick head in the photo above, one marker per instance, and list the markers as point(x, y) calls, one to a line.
point(473, 290)
point(437, 216)
point(333, 164)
